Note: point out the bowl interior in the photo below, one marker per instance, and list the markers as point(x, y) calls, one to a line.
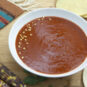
point(39, 13)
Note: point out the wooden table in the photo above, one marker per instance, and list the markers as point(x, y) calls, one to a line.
point(6, 58)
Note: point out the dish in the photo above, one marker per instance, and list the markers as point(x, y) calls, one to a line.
point(47, 45)
point(36, 14)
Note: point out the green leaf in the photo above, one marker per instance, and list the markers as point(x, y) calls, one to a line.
point(42, 86)
point(50, 86)
point(41, 79)
point(26, 71)
point(33, 80)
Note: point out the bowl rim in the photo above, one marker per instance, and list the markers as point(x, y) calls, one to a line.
point(36, 72)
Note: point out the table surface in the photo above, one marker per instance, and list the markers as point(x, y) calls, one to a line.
point(6, 58)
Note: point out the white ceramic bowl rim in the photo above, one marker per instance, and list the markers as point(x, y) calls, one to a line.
point(39, 13)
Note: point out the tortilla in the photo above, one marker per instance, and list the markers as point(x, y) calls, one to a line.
point(84, 16)
point(85, 77)
point(77, 6)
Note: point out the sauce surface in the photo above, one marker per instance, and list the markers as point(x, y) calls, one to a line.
point(51, 45)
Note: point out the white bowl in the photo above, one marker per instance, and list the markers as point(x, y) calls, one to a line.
point(39, 13)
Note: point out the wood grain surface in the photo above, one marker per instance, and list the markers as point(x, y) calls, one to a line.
point(6, 58)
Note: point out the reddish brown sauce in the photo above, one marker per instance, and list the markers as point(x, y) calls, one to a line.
point(51, 45)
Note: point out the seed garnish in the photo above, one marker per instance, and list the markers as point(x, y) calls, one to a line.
point(19, 42)
point(21, 36)
point(19, 46)
point(38, 19)
point(19, 52)
point(22, 57)
point(23, 32)
point(29, 29)
point(43, 17)
point(21, 39)
point(26, 29)
point(24, 48)
point(50, 19)
point(28, 25)
point(25, 36)
point(35, 24)
point(27, 43)
point(30, 34)
point(25, 39)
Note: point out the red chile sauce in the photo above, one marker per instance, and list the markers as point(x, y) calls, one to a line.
point(51, 45)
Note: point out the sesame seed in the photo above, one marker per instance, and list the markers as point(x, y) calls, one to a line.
point(19, 46)
point(26, 29)
point(30, 34)
point(50, 19)
point(19, 52)
point(23, 32)
point(25, 39)
point(19, 42)
point(43, 17)
point(27, 43)
point(35, 24)
point(20, 35)
point(28, 25)
point(25, 36)
point(38, 19)
point(24, 48)
point(29, 29)
point(22, 57)
point(21, 39)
